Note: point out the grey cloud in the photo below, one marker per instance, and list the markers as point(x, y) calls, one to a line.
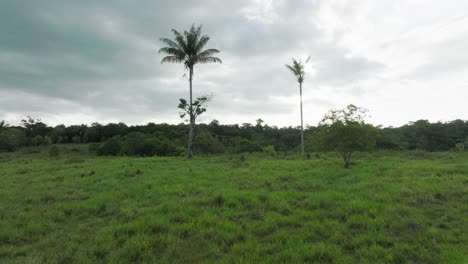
point(102, 56)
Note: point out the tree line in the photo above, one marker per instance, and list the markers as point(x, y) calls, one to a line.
point(212, 138)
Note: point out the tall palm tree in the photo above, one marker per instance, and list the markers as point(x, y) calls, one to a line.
point(3, 125)
point(187, 48)
point(297, 68)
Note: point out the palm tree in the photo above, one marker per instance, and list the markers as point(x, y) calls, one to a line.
point(3, 125)
point(297, 68)
point(187, 48)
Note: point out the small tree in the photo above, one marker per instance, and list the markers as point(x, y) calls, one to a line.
point(346, 132)
point(191, 111)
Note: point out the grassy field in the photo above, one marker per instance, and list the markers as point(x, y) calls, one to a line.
point(388, 208)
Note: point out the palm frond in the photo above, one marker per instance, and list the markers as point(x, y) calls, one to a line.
point(172, 51)
point(207, 53)
point(291, 68)
point(209, 59)
point(297, 68)
point(173, 59)
point(182, 43)
point(202, 43)
point(170, 43)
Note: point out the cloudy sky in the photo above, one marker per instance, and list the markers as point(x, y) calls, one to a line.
point(84, 61)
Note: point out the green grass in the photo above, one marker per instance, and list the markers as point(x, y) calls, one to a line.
point(388, 208)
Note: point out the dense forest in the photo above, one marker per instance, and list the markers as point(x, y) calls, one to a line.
point(170, 140)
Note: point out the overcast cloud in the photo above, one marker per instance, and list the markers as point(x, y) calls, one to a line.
point(84, 61)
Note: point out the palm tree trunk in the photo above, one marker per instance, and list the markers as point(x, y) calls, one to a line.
point(302, 121)
point(192, 119)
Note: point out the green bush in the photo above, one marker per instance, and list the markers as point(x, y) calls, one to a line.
point(94, 147)
point(245, 145)
point(208, 144)
point(111, 147)
point(139, 144)
point(270, 149)
point(12, 139)
point(54, 151)
point(165, 147)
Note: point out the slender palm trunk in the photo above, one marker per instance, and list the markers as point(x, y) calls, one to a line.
point(302, 121)
point(192, 119)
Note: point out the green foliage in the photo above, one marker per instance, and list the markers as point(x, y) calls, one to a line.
point(34, 127)
point(165, 147)
point(387, 139)
point(54, 151)
point(460, 147)
point(298, 69)
point(94, 147)
point(138, 144)
point(245, 145)
point(3, 125)
point(420, 135)
point(187, 48)
point(11, 139)
point(198, 107)
point(269, 150)
point(208, 144)
point(393, 208)
point(76, 139)
point(112, 147)
point(344, 131)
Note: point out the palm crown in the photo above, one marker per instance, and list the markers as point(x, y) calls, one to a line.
point(188, 47)
point(297, 68)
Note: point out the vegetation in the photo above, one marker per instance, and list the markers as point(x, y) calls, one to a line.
point(216, 138)
point(392, 207)
point(54, 151)
point(346, 132)
point(188, 48)
point(298, 70)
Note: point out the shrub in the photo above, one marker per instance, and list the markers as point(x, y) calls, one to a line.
point(181, 151)
point(40, 141)
point(206, 143)
point(460, 147)
point(165, 147)
point(11, 139)
point(270, 149)
point(112, 147)
point(246, 145)
point(136, 143)
point(94, 147)
point(54, 151)
point(76, 139)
